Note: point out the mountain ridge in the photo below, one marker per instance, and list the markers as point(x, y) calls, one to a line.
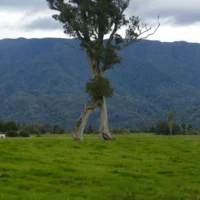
point(42, 81)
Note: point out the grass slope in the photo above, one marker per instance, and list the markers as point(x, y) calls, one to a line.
point(133, 167)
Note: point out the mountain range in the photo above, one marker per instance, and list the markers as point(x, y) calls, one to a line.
point(42, 81)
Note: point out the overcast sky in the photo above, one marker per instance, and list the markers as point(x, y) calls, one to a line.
point(180, 19)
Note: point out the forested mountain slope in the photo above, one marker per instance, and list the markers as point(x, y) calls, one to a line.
point(43, 81)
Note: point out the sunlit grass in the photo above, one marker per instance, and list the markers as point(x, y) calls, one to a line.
point(140, 167)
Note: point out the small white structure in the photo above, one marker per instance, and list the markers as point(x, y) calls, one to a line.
point(2, 135)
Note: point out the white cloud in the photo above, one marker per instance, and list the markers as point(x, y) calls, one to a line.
point(17, 24)
point(171, 33)
point(182, 11)
point(180, 19)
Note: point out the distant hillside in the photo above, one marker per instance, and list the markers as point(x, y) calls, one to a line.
point(43, 81)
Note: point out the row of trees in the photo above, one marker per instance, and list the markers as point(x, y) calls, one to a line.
point(43, 129)
point(8, 126)
point(161, 128)
point(17, 134)
point(11, 127)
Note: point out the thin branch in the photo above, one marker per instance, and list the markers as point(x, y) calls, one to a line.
point(112, 35)
point(79, 35)
point(137, 39)
point(150, 34)
point(116, 23)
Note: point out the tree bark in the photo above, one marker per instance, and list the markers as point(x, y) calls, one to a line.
point(104, 132)
point(92, 104)
point(81, 123)
point(170, 124)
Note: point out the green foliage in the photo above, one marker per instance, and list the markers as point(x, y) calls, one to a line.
point(43, 129)
point(110, 58)
point(24, 134)
point(75, 15)
point(57, 130)
point(98, 87)
point(12, 134)
point(91, 21)
point(162, 128)
point(184, 126)
point(31, 129)
point(10, 126)
point(1, 126)
point(183, 129)
point(152, 129)
point(119, 130)
point(141, 167)
point(148, 90)
point(176, 129)
point(143, 129)
point(189, 128)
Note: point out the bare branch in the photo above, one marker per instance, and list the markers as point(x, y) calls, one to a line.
point(116, 24)
point(142, 29)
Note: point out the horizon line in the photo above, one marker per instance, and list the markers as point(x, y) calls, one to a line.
point(62, 38)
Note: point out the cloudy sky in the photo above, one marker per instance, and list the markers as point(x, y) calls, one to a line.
point(180, 19)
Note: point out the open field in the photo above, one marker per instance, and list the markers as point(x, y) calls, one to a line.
point(133, 167)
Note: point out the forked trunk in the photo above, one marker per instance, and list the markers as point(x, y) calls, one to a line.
point(104, 130)
point(81, 123)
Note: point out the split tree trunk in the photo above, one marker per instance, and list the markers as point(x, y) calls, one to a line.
point(92, 104)
point(81, 123)
point(104, 132)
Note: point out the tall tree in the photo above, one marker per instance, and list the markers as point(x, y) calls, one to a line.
point(93, 21)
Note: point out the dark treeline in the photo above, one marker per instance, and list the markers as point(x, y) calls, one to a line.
point(161, 128)
point(13, 129)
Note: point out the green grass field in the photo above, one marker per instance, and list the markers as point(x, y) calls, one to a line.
point(133, 167)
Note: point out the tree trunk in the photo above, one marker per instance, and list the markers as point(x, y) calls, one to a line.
point(104, 131)
point(81, 123)
point(170, 124)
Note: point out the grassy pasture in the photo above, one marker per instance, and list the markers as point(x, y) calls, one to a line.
point(133, 167)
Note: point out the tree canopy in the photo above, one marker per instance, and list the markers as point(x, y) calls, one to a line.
point(93, 21)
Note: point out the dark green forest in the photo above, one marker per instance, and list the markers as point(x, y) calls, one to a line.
point(42, 81)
